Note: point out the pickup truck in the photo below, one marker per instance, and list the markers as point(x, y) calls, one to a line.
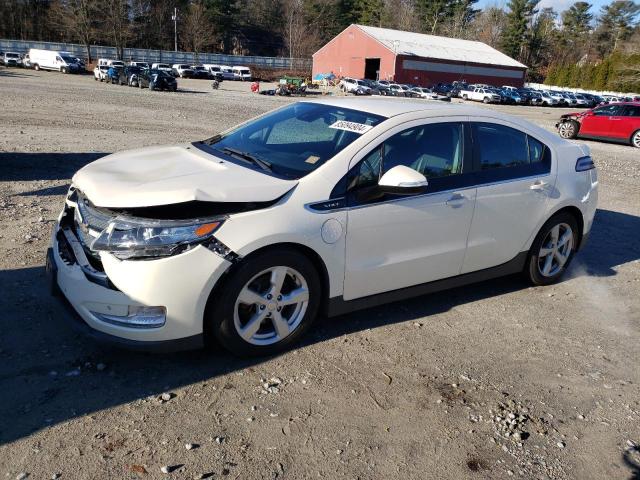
point(480, 94)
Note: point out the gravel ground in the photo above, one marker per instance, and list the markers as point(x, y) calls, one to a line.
point(494, 380)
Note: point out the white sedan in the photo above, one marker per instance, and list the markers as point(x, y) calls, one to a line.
point(324, 206)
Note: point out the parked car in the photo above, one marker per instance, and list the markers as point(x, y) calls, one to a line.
point(262, 239)
point(428, 94)
point(157, 80)
point(357, 87)
point(447, 89)
point(533, 98)
point(115, 75)
point(182, 70)
point(25, 61)
point(199, 71)
point(548, 100)
point(617, 122)
point(131, 75)
point(100, 72)
point(63, 62)
point(143, 65)
point(479, 94)
point(109, 62)
point(165, 67)
point(396, 90)
point(11, 59)
point(241, 73)
point(511, 96)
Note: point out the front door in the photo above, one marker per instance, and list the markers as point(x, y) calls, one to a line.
point(399, 241)
point(597, 123)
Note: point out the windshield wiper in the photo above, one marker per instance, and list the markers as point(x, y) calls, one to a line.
point(263, 164)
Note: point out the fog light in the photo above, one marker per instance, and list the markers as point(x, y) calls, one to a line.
point(137, 317)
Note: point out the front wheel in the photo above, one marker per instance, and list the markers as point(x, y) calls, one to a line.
point(552, 250)
point(485, 100)
point(635, 139)
point(568, 129)
point(267, 304)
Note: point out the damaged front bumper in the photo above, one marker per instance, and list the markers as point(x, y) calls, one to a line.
point(152, 304)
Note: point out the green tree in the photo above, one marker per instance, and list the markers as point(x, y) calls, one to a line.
point(518, 21)
point(576, 20)
point(616, 23)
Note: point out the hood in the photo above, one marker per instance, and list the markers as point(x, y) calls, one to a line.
point(154, 176)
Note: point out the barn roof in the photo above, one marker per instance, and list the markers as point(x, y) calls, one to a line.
point(443, 48)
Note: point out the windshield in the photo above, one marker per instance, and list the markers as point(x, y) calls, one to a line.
point(296, 139)
point(12, 55)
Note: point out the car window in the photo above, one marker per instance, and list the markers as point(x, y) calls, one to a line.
point(435, 150)
point(498, 146)
point(504, 153)
point(632, 111)
point(606, 110)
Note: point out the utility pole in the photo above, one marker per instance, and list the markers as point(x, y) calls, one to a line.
point(174, 17)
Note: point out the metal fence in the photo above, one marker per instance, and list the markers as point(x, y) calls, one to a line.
point(159, 56)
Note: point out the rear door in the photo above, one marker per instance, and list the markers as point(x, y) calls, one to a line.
point(626, 123)
point(514, 182)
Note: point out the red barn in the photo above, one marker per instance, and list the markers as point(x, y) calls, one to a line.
point(405, 57)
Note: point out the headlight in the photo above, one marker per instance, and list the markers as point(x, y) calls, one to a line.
point(135, 238)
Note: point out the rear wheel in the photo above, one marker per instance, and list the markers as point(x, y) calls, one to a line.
point(552, 249)
point(267, 304)
point(635, 139)
point(568, 129)
point(36, 67)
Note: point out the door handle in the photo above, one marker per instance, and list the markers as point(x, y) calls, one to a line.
point(456, 200)
point(539, 186)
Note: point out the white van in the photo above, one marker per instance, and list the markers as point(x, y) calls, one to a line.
point(64, 62)
point(241, 73)
point(110, 63)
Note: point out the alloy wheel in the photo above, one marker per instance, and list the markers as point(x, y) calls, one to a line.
point(555, 250)
point(271, 306)
point(636, 139)
point(567, 130)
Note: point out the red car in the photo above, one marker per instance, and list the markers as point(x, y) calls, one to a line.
point(617, 122)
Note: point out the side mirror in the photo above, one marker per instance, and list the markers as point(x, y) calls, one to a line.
point(402, 180)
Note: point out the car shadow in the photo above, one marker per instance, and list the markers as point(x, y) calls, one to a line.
point(50, 374)
point(21, 166)
point(13, 72)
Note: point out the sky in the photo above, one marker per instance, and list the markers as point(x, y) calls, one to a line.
point(558, 5)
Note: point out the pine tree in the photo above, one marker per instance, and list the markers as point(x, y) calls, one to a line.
point(518, 21)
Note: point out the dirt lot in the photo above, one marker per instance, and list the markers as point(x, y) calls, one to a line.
point(423, 389)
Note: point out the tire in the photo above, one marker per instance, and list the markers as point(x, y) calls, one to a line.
point(228, 315)
point(539, 270)
point(569, 129)
point(152, 86)
point(485, 100)
point(635, 139)
point(465, 97)
point(63, 70)
point(36, 67)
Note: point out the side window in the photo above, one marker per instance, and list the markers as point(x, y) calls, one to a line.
point(498, 146)
point(367, 172)
point(606, 111)
point(538, 152)
point(632, 111)
point(435, 150)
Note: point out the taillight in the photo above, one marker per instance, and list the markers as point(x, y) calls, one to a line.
point(585, 163)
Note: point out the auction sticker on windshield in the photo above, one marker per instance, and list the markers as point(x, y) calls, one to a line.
point(351, 126)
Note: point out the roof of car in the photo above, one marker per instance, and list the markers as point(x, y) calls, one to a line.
point(390, 107)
